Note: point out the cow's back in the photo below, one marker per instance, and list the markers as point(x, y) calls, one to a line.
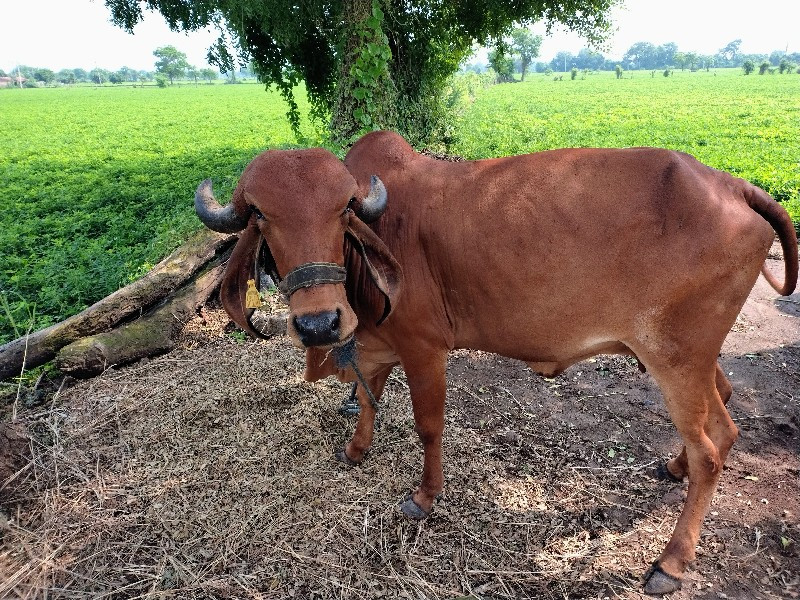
point(547, 256)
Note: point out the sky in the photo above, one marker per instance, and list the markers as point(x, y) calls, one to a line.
point(78, 33)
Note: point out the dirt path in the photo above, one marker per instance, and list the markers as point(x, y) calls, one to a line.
point(208, 472)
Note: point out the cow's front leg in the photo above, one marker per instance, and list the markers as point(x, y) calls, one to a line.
point(354, 451)
point(426, 382)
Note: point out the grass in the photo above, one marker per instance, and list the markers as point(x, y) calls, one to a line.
point(98, 182)
point(746, 125)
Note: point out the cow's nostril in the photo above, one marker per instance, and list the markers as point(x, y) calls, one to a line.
point(318, 329)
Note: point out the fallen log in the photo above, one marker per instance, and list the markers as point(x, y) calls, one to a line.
point(40, 347)
point(149, 335)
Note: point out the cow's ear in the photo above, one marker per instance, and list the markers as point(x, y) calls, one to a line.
point(382, 267)
point(241, 267)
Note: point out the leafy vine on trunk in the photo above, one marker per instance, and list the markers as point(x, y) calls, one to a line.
point(366, 97)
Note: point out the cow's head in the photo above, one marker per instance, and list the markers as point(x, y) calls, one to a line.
point(302, 213)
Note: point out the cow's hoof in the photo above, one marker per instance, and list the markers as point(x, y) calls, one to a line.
point(657, 582)
point(413, 510)
point(663, 473)
point(342, 457)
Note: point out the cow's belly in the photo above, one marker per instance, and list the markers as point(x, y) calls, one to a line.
point(547, 353)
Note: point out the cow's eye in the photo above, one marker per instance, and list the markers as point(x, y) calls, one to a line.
point(257, 212)
point(350, 204)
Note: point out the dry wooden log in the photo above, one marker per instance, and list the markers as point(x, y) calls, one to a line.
point(167, 276)
point(150, 335)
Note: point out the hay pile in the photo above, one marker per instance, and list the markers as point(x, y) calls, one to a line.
point(209, 473)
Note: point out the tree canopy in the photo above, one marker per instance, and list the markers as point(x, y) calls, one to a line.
point(171, 62)
point(365, 63)
point(527, 46)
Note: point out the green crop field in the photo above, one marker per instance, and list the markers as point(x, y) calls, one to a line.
point(746, 125)
point(98, 183)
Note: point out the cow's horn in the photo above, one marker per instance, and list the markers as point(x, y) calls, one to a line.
point(372, 207)
point(219, 218)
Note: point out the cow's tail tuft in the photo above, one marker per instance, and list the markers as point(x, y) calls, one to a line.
point(776, 215)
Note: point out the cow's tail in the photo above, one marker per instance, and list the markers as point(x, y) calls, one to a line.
point(776, 215)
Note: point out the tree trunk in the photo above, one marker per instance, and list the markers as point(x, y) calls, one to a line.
point(172, 272)
point(354, 115)
point(150, 335)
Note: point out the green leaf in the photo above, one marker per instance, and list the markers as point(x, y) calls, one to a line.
point(359, 93)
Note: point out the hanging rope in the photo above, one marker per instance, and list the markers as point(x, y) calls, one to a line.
point(345, 356)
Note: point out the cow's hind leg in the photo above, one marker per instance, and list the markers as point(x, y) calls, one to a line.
point(699, 414)
point(354, 451)
point(677, 468)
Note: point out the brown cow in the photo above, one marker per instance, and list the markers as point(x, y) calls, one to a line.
point(549, 258)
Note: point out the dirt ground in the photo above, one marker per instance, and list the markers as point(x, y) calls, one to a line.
point(209, 473)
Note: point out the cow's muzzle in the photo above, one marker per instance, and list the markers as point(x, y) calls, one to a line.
point(321, 328)
point(318, 329)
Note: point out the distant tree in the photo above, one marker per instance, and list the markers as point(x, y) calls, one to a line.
point(748, 66)
point(589, 59)
point(23, 71)
point(527, 46)
point(786, 66)
point(776, 56)
point(209, 74)
point(128, 74)
point(171, 62)
point(562, 61)
point(502, 64)
point(666, 54)
point(44, 75)
point(764, 67)
point(692, 58)
point(618, 70)
point(192, 73)
point(66, 76)
point(679, 58)
point(99, 76)
point(80, 75)
point(115, 78)
point(573, 73)
point(642, 55)
point(707, 61)
point(731, 51)
point(3, 73)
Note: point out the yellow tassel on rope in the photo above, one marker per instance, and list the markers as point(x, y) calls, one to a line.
point(252, 298)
